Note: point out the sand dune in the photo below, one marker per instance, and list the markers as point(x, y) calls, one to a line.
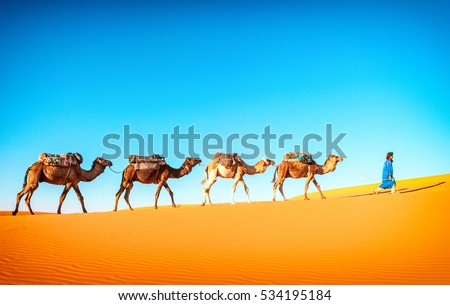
point(350, 238)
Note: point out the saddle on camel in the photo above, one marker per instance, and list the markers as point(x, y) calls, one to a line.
point(227, 159)
point(62, 160)
point(147, 162)
point(299, 156)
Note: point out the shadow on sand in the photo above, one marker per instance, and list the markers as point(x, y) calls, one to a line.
point(422, 188)
point(401, 191)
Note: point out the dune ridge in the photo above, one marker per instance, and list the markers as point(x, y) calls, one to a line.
point(352, 237)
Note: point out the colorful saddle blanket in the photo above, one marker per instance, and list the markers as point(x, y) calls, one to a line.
point(147, 165)
point(64, 160)
point(299, 156)
point(227, 159)
point(146, 159)
point(152, 162)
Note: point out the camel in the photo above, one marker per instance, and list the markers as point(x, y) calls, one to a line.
point(236, 171)
point(153, 176)
point(296, 169)
point(58, 175)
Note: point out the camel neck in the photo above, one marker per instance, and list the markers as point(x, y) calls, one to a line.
point(329, 166)
point(93, 173)
point(180, 172)
point(255, 169)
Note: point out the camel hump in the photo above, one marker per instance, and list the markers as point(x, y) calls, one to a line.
point(79, 157)
point(63, 160)
point(303, 157)
point(227, 159)
point(147, 159)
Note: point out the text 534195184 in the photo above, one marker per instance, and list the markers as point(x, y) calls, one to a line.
point(295, 295)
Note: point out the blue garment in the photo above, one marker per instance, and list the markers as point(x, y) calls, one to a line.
point(388, 170)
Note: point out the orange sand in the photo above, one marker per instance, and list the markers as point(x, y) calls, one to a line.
point(346, 239)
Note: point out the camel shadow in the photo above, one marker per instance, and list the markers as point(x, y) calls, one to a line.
point(401, 191)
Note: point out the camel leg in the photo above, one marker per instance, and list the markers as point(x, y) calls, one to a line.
point(318, 188)
point(275, 185)
point(281, 190)
point(233, 188)
point(28, 198)
point(308, 180)
point(209, 198)
point(127, 195)
point(80, 197)
point(124, 186)
point(166, 186)
point(19, 196)
point(246, 190)
point(158, 190)
point(118, 194)
point(31, 183)
point(206, 190)
point(279, 183)
point(67, 188)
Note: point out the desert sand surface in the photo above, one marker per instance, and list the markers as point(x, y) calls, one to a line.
point(352, 237)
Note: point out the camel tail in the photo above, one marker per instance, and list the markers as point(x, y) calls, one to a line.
point(123, 177)
point(275, 175)
point(205, 176)
point(25, 179)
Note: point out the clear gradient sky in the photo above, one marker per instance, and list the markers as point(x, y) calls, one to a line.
point(72, 73)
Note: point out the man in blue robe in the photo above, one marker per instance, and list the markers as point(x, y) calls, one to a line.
point(387, 179)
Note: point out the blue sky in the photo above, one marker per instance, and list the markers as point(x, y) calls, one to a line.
point(71, 73)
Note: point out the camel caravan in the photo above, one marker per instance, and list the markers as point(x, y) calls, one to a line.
point(66, 170)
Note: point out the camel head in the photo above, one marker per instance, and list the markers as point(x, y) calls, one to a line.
point(268, 162)
point(103, 162)
point(188, 164)
point(262, 165)
point(190, 161)
point(335, 159)
point(330, 164)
